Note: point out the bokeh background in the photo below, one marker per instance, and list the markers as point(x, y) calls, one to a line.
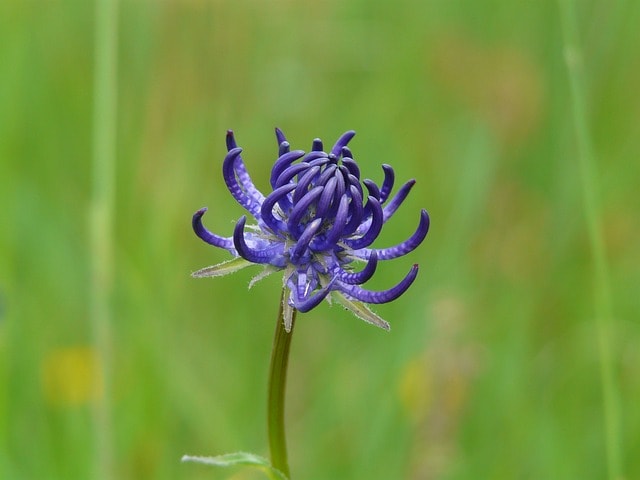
point(492, 367)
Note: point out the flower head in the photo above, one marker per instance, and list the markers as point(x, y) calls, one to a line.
point(319, 219)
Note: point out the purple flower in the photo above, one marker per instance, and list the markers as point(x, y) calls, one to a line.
point(316, 223)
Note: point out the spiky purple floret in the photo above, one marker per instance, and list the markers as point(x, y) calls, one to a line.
point(344, 139)
point(384, 296)
point(374, 229)
point(315, 222)
point(410, 243)
point(271, 254)
point(207, 236)
point(283, 162)
point(358, 278)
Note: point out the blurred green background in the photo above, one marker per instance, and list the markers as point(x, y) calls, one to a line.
point(492, 367)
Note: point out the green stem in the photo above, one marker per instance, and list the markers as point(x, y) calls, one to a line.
point(277, 384)
point(601, 284)
point(101, 219)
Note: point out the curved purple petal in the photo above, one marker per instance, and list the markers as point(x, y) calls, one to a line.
point(384, 296)
point(282, 163)
point(409, 244)
point(346, 153)
point(315, 156)
point(266, 210)
point(300, 209)
point(303, 184)
point(290, 172)
point(335, 232)
point(357, 211)
point(353, 180)
point(230, 141)
point(320, 162)
point(357, 278)
point(393, 205)
point(317, 146)
point(280, 136)
point(328, 173)
point(245, 251)
point(374, 191)
point(339, 193)
point(327, 197)
point(245, 181)
point(207, 236)
point(352, 166)
point(374, 228)
point(240, 186)
point(372, 188)
point(303, 242)
point(283, 148)
point(312, 301)
point(390, 208)
point(342, 141)
point(387, 183)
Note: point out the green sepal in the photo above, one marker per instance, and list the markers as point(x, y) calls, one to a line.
point(266, 271)
point(222, 269)
point(239, 459)
point(361, 311)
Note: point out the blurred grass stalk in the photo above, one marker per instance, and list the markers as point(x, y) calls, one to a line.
point(601, 285)
point(101, 218)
